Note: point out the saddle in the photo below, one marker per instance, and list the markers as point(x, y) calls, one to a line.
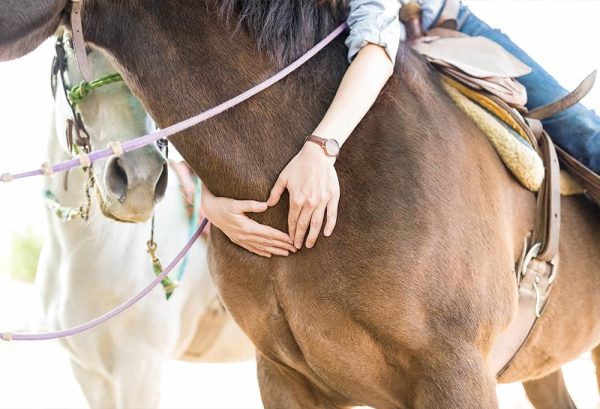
point(485, 74)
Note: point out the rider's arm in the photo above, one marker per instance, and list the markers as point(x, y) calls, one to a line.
point(310, 177)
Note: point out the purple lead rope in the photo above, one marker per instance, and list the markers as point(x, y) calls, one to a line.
point(181, 126)
point(43, 336)
point(136, 144)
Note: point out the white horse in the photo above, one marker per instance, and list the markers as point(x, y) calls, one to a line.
point(89, 267)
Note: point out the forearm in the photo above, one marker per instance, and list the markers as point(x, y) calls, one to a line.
point(357, 92)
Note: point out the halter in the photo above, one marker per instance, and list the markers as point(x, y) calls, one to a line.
point(137, 143)
point(78, 41)
point(87, 159)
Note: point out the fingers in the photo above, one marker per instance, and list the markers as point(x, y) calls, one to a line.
point(250, 206)
point(277, 190)
point(270, 237)
point(264, 251)
point(273, 234)
point(255, 250)
point(332, 209)
point(296, 204)
point(315, 225)
point(302, 225)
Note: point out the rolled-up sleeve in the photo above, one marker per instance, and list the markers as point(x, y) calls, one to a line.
point(376, 22)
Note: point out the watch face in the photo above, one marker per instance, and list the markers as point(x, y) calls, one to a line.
point(332, 147)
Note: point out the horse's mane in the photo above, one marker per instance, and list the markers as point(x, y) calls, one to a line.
point(284, 29)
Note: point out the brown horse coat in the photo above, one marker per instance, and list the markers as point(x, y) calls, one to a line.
point(397, 309)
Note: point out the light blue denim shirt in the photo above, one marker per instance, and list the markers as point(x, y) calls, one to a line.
point(377, 22)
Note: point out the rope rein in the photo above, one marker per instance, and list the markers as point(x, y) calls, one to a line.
point(44, 336)
point(87, 158)
point(137, 143)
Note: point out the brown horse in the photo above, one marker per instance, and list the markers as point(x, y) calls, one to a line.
point(400, 307)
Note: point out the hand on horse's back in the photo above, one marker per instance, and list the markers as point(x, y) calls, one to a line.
point(313, 186)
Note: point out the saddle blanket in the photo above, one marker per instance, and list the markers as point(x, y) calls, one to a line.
point(508, 139)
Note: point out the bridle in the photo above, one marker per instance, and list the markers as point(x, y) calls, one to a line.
point(116, 149)
point(77, 134)
point(78, 41)
point(79, 140)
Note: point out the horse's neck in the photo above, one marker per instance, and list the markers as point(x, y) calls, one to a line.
point(238, 153)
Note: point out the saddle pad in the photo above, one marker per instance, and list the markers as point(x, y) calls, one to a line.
point(516, 153)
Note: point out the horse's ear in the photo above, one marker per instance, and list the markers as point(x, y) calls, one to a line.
point(25, 24)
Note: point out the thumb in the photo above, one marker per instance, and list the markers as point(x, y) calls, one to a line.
point(277, 191)
point(252, 206)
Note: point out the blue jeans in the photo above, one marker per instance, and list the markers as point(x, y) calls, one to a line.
point(577, 130)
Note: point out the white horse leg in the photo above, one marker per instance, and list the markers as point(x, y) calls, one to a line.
point(97, 388)
point(138, 379)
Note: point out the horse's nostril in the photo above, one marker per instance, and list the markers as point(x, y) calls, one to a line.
point(116, 179)
point(161, 184)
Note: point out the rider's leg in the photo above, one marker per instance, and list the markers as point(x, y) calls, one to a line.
point(577, 129)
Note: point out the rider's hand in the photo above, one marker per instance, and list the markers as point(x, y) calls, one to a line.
point(313, 185)
point(229, 216)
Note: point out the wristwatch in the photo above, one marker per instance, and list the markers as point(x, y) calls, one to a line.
point(331, 147)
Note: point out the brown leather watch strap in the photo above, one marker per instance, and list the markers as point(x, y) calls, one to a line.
point(78, 41)
point(316, 139)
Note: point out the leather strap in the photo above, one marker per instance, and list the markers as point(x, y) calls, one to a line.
point(537, 269)
point(315, 139)
point(449, 14)
point(588, 179)
point(568, 101)
point(78, 41)
point(410, 15)
point(547, 226)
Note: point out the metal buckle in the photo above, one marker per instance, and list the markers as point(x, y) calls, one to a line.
point(532, 253)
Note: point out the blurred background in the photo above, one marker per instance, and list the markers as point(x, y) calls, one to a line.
point(558, 34)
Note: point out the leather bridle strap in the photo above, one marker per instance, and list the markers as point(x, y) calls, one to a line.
point(78, 41)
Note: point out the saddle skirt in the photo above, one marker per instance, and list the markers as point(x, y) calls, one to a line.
point(477, 62)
